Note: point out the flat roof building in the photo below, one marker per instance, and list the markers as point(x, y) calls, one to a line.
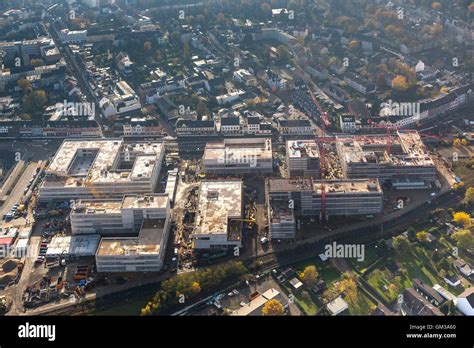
point(303, 197)
point(102, 169)
point(73, 246)
point(238, 156)
point(143, 253)
point(118, 217)
point(409, 161)
point(303, 158)
point(218, 215)
point(255, 306)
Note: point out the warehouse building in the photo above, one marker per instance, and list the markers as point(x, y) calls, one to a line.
point(407, 166)
point(303, 158)
point(287, 198)
point(238, 156)
point(102, 169)
point(218, 222)
point(118, 217)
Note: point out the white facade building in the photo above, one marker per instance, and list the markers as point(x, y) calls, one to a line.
point(218, 215)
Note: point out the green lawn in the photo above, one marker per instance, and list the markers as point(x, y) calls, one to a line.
point(372, 253)
point(466, 174)
point(326, 271)
point(306, 302)
point(413, 266)
point(362, 305)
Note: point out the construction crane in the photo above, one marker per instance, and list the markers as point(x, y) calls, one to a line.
point(320, 140)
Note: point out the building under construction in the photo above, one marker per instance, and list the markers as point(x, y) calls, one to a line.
point(401, 160)
point(219, 221)
point(102, 169)
point(303, 158)
point(238, 156)
point(287, 198)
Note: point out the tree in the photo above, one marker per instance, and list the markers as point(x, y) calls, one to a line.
point(349, 287)
point(464, 239)
point(195, 288)
point(25, 85)
point(354, 44)
point(411, 232)
point(202, 109)
point(309, 276)
point(469, 195)
point(34, 102)
point(422, 236)
point(284, 55)
point(273, 308)
point(400, 83)
point(436, 6)
point(401, 245)
point(186, 53)
point(265, 7)
point(147, 46)
point(463, 218)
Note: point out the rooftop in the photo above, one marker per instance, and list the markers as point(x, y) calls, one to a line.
point(115, 206)
point(218, 202)
point(98, 161)
point(148, 241)
point(331, 186)
point(74, 245)
point(238, 149)
point(255, 306)
point(302, 148)
point(407, 150)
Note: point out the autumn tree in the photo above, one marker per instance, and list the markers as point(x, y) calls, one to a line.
point(273, 308)
point(400, 83)
point(436, 6)
point(147, 46)
point(309, 276)
point(34, 102)
point(463, 218)
point(348, 286)
point(354, 44)
point(464, 239)
point(422, 236)
point(195, 288)
point(25, 85)
point(401, 245)
point(284, 55)
point(469, 195)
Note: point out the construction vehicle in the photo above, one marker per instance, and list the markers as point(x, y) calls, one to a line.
point(82, 272)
